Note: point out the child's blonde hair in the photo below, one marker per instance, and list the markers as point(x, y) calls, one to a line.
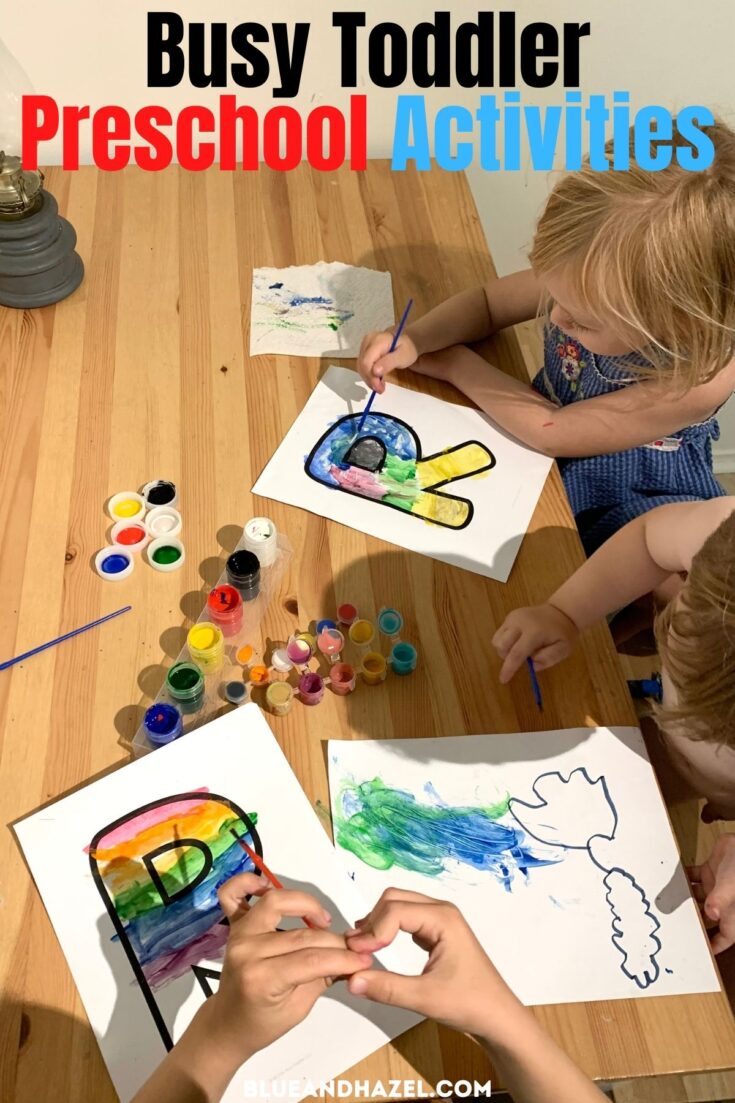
point(695, 634)
point(654, 251)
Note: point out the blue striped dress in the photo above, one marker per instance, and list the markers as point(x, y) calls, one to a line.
point(605, 492)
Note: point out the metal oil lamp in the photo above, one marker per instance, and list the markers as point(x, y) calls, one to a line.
point(38, 264)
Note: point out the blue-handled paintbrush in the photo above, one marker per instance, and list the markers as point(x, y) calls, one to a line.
point(394, 342)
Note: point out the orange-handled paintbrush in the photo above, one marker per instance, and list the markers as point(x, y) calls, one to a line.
point(260, 864)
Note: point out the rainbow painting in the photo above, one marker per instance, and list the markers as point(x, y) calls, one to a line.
point(383, 462)
point(158, 870)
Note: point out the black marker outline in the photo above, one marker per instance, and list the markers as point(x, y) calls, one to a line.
point(419, 459)
point(110, 907)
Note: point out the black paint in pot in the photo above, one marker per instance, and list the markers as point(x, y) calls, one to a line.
point(243, 572)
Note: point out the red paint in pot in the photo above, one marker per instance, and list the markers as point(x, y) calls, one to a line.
point(133, 534)
point(224, 606)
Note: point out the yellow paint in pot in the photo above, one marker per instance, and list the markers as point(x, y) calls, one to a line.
point(279, 697)
point(206, 646)
point(362, 633)
point(374, 668)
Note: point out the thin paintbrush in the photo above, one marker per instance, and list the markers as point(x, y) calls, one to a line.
point(394, 342)
point(534, 684)
point(260, 864)
point(66, 636)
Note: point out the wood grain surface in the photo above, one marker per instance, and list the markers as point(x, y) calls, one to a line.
point(143, 373)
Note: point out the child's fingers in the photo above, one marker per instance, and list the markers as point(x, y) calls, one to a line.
point(233, 893)
point(281, 943)
point(304, 966)
point(550, 655)
point(425, 921)
point(279, 903)
point(724, 938)
point(516, 657)
point(504, 638)
point(389, 988)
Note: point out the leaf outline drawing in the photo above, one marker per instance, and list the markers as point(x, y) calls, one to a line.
point(634, 925)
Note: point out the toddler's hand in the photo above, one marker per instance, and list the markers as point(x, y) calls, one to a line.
point(714, 888)
point(540, 632)
point(375, 361)
point(459, 985)
point(271, 979)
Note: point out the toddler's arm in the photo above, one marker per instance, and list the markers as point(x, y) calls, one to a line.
point(634, 415)
point(462, 988)
point(631, 563)
point(466, 317)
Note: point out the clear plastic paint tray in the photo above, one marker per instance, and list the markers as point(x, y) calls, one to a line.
point(231, 670)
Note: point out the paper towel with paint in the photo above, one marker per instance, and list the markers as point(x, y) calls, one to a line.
point(428, 475)
point(555, 845)
point(128, 870)
point(318, 309)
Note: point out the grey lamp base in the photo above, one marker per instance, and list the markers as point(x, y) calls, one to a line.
point(38, 265)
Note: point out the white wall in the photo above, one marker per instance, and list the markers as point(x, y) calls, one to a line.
point(672, 52)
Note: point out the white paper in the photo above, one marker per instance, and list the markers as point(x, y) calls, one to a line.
point(468, 501)
point(318, 309)
point(548, 928)
point(235, 759)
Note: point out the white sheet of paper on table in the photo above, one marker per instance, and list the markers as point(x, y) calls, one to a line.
point(237, 758)
point(501, 496)
point(318, 309)
point(547, 928)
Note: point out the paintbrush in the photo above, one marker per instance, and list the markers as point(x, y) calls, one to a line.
point(60, 639)
point(534, 684)
point(260, 864)
point(394, 342)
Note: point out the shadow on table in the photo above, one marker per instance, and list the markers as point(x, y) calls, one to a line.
point(50, 1055)
point(451, 619)
point(173, 639)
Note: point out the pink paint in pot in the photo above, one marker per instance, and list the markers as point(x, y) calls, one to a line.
point(298, 651)
point(330, 642)
point(311, 688)
point(224, 606)
point(342, 679)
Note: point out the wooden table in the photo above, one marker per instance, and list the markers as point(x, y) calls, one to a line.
point(141, 374)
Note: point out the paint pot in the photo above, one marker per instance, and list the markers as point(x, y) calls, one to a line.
point(322, 624)
point(403, 658)
point(167, 553)
point(163, 521)
point(185, 683)
point(260, 675)
point(362, 633)
point(260, 536)
point(280, 661)
point(244, 654)
point(311, 688)
point(330, 642)
point(374, 668)
point(390, 623)
point(114, 563)
point(347, 614)
point(133, 536)
point(160, 492)
point(224, 607)
point(299, 651)
point(235, 692)
point(279, 698)
point(126, 506)
point(206, 646)
point(342, 679)
point(162, 724)
point(243, 572)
